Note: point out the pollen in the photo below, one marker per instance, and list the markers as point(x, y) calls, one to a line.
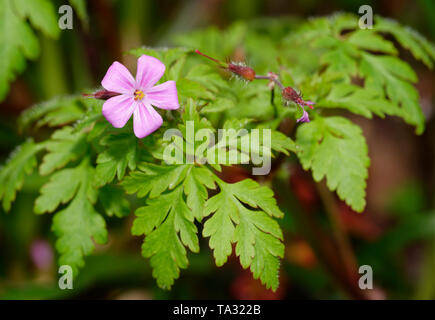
point(139, 95)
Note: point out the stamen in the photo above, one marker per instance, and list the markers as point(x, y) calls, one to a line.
point(139, 95)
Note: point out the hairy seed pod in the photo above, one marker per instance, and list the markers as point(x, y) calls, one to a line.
point(245, 72)
point(290, 94)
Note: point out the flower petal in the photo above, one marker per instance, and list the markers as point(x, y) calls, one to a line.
point(164, 96)
point(118, 110)
point(146, 120)
point(309, 104)
point(149, 71)
point(118, 79)
point(304, 118)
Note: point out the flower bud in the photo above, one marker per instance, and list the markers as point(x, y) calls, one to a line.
point(101, 94)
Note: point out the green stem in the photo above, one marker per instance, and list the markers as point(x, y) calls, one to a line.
point(345, 249)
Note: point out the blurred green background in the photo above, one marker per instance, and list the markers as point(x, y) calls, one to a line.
point(395, 235)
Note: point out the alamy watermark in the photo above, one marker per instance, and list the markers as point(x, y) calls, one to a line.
point(66, 18)
point(66, 280)
point(231, 147)
point(366, 20)
point(366, 280)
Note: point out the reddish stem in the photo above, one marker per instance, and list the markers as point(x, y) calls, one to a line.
point(224, 65)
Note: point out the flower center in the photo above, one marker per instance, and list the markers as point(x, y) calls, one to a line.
point(139, 95)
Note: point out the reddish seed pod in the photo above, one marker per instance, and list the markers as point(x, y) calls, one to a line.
point(245, 72)
point(290, 94)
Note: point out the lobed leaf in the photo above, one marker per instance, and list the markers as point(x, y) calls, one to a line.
point(168, 225)
point(256, 234)
point(22, 162)
point(335, 148)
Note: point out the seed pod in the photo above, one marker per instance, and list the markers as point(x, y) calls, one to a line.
point(245, 72)
point(290, 94)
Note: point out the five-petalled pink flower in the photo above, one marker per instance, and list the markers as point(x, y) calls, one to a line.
point(138, 96)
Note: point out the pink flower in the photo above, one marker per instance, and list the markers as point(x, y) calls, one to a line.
point(137, 97)
point(304, 117)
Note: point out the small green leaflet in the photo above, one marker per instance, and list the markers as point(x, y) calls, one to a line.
point(121, 153)
point(369, 40)
point(153, 179)
point(21, 162)
point(41, 13)
point(335, 148)
point(114, 201)
point(55, 112)
point(18, 41)
point(419, 46)
point(340, 56)
point(362, 101)
point(79, 223)
point(396, 76)
point(168, 225)
point(196, 183)
point(63, 147)
point(256, 234)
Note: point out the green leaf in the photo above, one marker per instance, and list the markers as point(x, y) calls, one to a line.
point(395, 76)
point(196, 183)
point(79, 224)
point(60, 189)
point(420, 48)
point(57, 111)
point(41, 13)
point(340, 56)
point(167, 224)
point(18, 43)
point(256, 234)
point(369, 40)
point(188, 88)
point(208, 76)
point(63, 147)
point(218, 105)
point(121, 153)
point(114, 201)
point(362, 101)
point(335, 148)
point(282, 143)
point(154, 179)
point(22, 162)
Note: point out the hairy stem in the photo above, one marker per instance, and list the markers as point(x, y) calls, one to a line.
point(273, 78)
